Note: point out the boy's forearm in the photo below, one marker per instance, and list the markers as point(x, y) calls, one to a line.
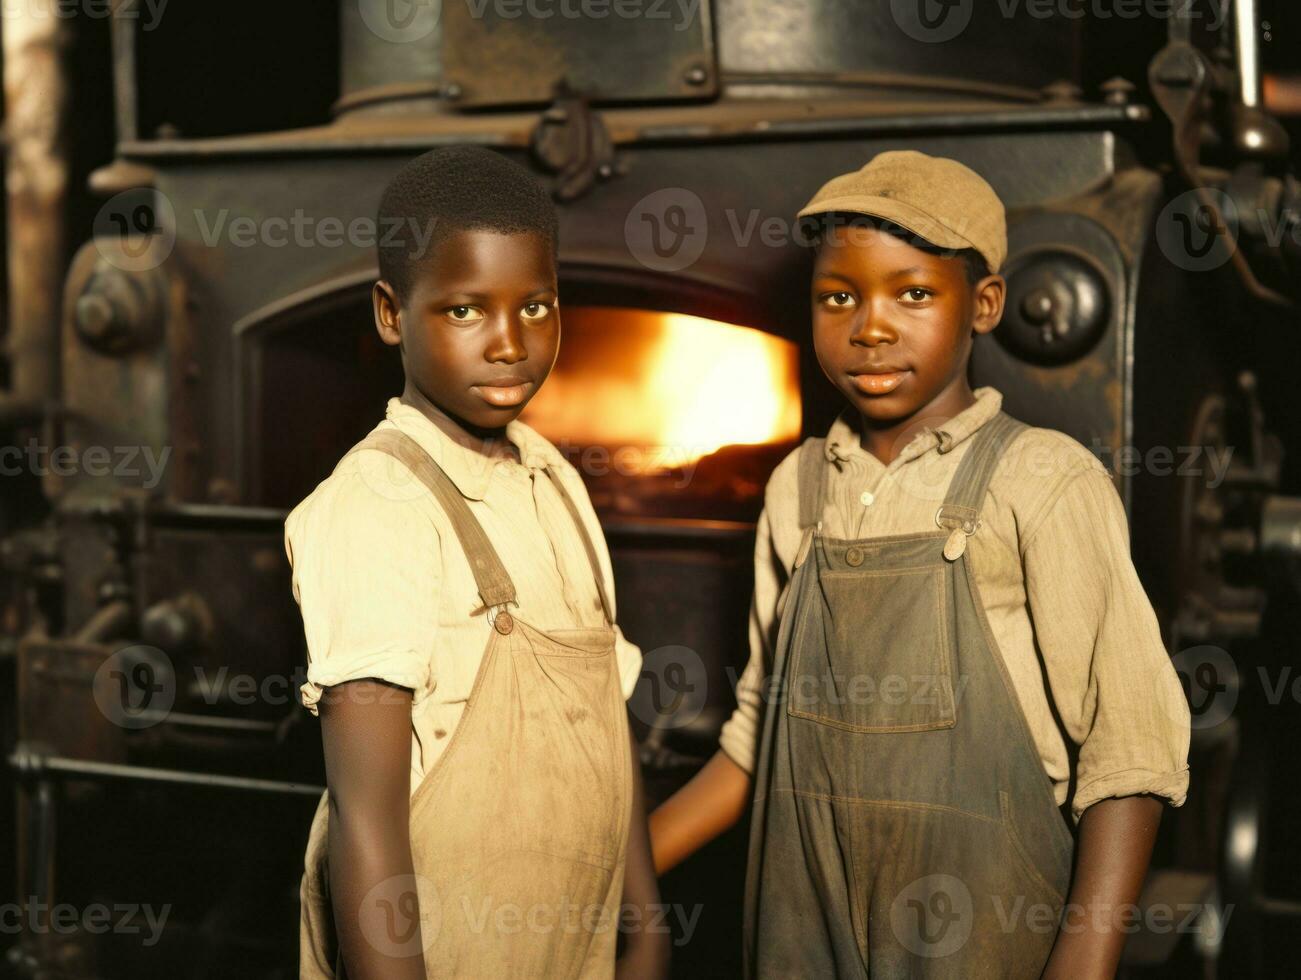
point(712, 802)
point(646, 952)
point(1115, 846)
point(362, 860)
point(366, 734)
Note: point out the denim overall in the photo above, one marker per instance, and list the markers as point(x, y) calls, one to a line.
point(903, 822)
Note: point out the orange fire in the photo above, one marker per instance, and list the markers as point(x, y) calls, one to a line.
point(666, 388)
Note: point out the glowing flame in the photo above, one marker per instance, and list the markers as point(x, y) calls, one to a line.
point(719, 385)
point(675, 387)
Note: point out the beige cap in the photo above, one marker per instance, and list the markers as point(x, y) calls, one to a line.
point(943, 201)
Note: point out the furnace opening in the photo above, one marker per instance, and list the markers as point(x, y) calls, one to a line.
point(664, 414)
point(670, 415)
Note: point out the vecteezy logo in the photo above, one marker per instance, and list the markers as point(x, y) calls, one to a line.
point(666, 231)
point(401, 915)
point(136, 230)
point(1210, 682)
point(400, 21)
point(135, 687)
point(931, 21)
point(671, 689)
point(932, 916)
point(1198, 232)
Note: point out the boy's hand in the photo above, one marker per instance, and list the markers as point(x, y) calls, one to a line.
point(1116, 838)
point(646, 951)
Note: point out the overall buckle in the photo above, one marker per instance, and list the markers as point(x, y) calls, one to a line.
point(962, 526)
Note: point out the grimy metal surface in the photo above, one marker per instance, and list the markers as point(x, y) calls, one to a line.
point(739, 186)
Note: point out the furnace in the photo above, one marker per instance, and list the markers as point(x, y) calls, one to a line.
point(218, 321)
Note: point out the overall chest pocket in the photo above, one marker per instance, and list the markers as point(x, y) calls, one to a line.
point(873, 652)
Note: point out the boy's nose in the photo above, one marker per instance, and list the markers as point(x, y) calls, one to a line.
point(507, 345)
point(872, 329)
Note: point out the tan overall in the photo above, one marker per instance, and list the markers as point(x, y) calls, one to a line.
point(518, 831)
point(904, 826)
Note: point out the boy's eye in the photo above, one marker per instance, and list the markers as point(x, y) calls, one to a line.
point(840, 301)
point(465, 314)
point(536, 311)
point(917, 294)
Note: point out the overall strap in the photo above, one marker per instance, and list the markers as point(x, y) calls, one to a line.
point(495, 586)
point(587, 542)
point(812, 490)
point(961, 506)
point(812, 481)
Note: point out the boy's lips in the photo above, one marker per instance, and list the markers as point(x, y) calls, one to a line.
point(504, 392)
point(878, 382)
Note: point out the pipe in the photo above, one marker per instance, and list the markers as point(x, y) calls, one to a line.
point(30, 762)
point(123, 40)
point(35, 36)
point(104, 623)
point(1247, 44)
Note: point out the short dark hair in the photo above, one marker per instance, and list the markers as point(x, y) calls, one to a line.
point(817, 227)
point(453, 189)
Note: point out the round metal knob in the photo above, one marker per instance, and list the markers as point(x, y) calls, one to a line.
point(1037, 307)
point(119, 311)
point(94, 317)
point(1058, 307)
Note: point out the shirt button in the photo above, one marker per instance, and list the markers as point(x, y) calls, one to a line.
point(867, 497)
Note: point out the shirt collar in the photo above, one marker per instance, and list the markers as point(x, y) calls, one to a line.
point(843, 442)
point(470, 471)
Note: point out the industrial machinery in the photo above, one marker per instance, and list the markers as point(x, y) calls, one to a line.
point(204, 354)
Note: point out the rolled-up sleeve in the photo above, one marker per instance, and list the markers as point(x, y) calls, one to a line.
point(1112, 681)
point(366, 572)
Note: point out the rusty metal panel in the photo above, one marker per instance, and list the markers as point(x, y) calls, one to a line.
point(218, 565)
point(622, 50)
point(58, 700)
point(959, 41)
point(1084, 395)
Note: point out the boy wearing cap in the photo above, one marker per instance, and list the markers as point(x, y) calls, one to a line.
point(943, 595)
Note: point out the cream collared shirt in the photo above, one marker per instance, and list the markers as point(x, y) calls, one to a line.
point(386, 591)
point(1052, 566)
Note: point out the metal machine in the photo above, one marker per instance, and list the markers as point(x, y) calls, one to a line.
point(208, 354)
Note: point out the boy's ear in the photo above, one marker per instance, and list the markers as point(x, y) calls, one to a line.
point(991, 294)
point(388, 317)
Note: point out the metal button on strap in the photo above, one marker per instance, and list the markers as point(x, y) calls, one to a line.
point(854, 556)
point(503, 622)
point(956, 544)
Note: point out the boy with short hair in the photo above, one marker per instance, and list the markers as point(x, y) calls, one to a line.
point(484, 814)
point(936, 584)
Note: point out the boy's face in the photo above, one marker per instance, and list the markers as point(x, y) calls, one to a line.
point(892, 324)
point(480, 328)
